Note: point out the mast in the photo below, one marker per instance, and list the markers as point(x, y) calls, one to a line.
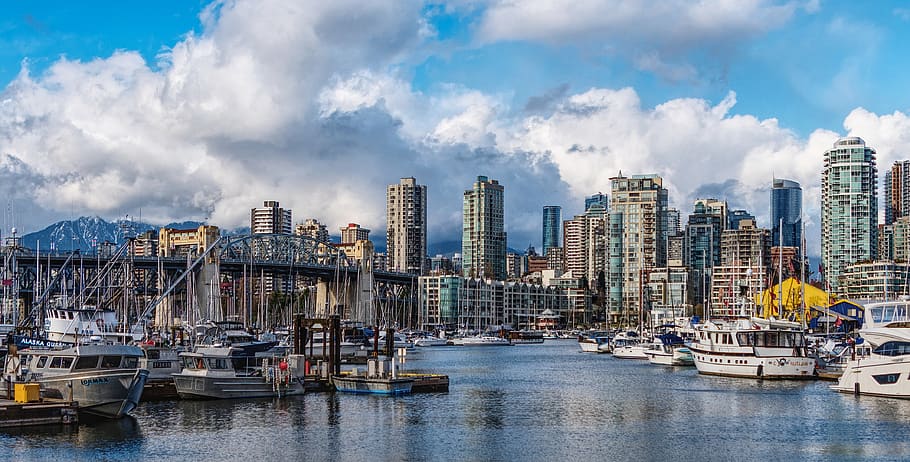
point(780, 269)
point(802, 273)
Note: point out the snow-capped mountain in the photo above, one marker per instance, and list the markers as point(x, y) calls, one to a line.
point(85, 233)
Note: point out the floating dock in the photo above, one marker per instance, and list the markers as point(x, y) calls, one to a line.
point(423, 383)
point(45, 412)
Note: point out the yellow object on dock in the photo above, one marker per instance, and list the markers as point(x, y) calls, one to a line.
point(27, 392)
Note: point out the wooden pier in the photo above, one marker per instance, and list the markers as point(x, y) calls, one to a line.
point(44, 412)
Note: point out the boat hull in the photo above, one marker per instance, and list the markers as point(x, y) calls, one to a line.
point(588, 346)
point(676, 358)
point(191, 386)
point(747, 366)
point(630, 352)
point(377, 386)
point(108, 394)
point(876, 377)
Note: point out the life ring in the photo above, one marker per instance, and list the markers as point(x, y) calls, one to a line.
point(100, 323)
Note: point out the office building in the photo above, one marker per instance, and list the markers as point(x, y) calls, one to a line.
point(483, 239)
point(786, 213)
point(552, 219)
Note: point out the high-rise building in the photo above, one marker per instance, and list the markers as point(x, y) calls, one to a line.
point(849, 207)
point(313, 229)
point(353, 233)
point(897, 191)
point(270, 219)
point(600, 199)
point(744, 262)
point(786, 213)
point(585, 243)
point(552, 219)
point(702, 244)
point(483, 239)
point(637, 216)
point(406, 230)
point(736, 217)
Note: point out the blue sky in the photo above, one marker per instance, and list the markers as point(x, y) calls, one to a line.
point(550, 98)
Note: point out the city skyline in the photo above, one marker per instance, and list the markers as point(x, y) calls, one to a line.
point(200, 111)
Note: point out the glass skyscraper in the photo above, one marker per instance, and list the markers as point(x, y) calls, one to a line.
point(786, 208)
point(552, 219)
point(599, 198)
point(849, 207)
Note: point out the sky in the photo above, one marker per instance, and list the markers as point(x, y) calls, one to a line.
point(189, 110)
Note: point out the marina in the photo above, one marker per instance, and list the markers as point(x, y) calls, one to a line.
point(543, 402)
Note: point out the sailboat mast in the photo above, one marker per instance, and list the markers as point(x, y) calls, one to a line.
point(780, 269)
point(802, 273)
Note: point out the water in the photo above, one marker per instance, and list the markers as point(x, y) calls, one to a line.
point(521, 403)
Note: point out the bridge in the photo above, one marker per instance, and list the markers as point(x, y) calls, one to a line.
point(263, 279)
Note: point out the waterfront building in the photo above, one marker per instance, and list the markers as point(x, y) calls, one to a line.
point(900, 240)
point(313, 229)
point(702, 244)
point(743, 269)
point(885, 242)
point(577, 310)
point(440, 265)
point(552, 219)
point(635, 245)
point(438, 300)
point(145, 245)
point(600, 199)
point(786, 213)
point(271, 218)
point(585, 243)
point(875, 281)
point(849, 207)
point(353, 232)
point(668, 294)
point(182, 242)
point(516, 265)
point(483, 241)
point(556, 259)
point(406, 230)
point(897, 191)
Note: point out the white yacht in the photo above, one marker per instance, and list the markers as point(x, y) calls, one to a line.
point(885, 372)
point(628, 345)
point(669, 350)
point(886, 321)
point(591, 342)
point(75, 325)
point(484, 340)
point(752, 348)
point(429, 341)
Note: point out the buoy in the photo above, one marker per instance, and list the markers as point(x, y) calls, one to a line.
point(283, 365)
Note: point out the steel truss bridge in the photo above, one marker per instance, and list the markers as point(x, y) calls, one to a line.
point(268, 277)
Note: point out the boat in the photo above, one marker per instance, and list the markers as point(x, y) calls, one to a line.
point(886, 321)
point(72, 325)
point(381, 377)
point(628, 345)
point(230, 372)
point(526, 337)
point(104, 379)
point(430, 341)
point(753, 348)
point(484, 340)
point(669, 350)
point(162, 363)
point(590, 342)
point(884, 372)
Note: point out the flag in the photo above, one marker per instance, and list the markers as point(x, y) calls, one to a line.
point(7, 282)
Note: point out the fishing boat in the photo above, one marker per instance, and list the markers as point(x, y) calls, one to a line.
point(669, 350)
point(232, 372)
point(161, 362)
point(752, 348)
point(105, 380)
point(70, 325)
point(380, 378)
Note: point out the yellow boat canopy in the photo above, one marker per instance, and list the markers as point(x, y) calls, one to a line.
point(790, 301)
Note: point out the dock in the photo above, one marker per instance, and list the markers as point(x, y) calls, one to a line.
point(44, 412)
point(423, 383)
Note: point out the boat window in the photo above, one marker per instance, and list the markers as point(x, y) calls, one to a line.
point(42, 361)
point(771, 339)
point(61, 362)
point(130, 362)
point(153, 354)
point(217, 363)
point(110, 362)
point(86, 362)
point(744, 338)
point(893, 349)
point(876, 314)
point(888, 314)
point(190, 362)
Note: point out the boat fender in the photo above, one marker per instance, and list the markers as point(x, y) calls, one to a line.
point(781, 362)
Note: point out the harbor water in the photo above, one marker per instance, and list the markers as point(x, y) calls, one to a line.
point(519, 403)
